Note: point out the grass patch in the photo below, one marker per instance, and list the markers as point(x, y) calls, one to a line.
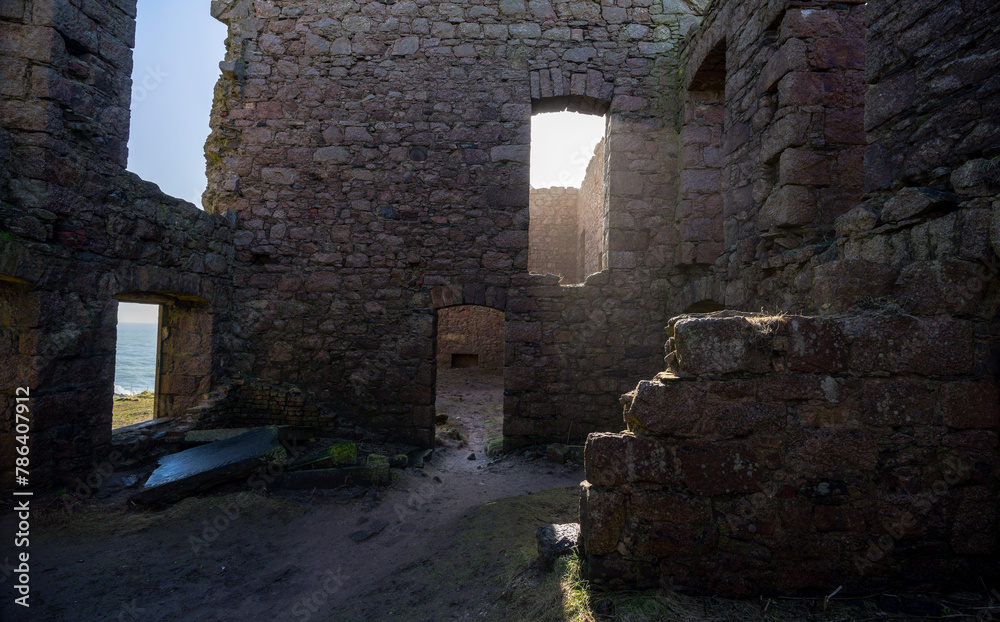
point(493, 446)
point(133, 409)
point(488, 549)
point(565, 596)
point(450, 437)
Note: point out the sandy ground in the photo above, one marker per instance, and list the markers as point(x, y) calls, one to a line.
point(288, 556)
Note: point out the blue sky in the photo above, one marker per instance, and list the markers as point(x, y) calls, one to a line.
point(562, 144)
point(178, 46)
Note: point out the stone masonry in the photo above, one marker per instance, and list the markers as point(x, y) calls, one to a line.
point(566, 229)
point(376, 156)
point(553, 246)
point(831, 162)
point(790, 454)
point(470, 330)
point(858, 447)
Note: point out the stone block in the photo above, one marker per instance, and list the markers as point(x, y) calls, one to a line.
point(971, 405)
point(736, 420)
point(715, 346)
point(889, 98)
point(791, 130)
point(616, 459)
point(845, 126)
point(790, 57)
point(670, 507)
point(857, 220)
point(810, 88)
point(975, 529)
point(914, 202)
point(667, 408)
point(898, 403)
point(279, 176)
point(602, 517)
point(838, 285)
point(803, 167)
point(839, 53)
point(719, 468)
point(978, 177)
point(680, 541)
point(946, 287)
point(810, 23)
point(778, 387)
point(701, 181)
point(831, 452)
point(817, 345)
point(910, 345)
point(789, 206)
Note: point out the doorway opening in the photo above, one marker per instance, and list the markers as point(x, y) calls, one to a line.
point(468, 407)
point(566, 204)
point(136, 359)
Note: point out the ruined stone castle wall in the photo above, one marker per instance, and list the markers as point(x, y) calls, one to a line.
point(376, 153)
point(928, 102)
point(76, 232)
point(856, 448)
point(471, 330)
point(791, 76)
point(553, 246)
point(799, 454)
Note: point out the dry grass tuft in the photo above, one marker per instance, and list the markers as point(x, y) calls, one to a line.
point(450, 437)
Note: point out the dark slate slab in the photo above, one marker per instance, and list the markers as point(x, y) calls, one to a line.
point(182, 474)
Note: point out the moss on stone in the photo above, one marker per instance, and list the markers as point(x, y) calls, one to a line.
point(342, 454)
point(378, 469)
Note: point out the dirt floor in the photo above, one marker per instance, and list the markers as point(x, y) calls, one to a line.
point(238, 555)
point(451, 541)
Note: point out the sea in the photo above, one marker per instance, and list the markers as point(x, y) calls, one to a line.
point(135, 362)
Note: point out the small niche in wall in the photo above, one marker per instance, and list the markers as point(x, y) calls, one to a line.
point(464, 360)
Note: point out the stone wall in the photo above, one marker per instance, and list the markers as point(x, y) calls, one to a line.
point(928, 103)
point(553, 242)
point(470, 329)
point(789, 453)
point(855, 448)
point(376, 153)
point(77, 233)
point(591, 216)
point(699, 208)
point(922, 54)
